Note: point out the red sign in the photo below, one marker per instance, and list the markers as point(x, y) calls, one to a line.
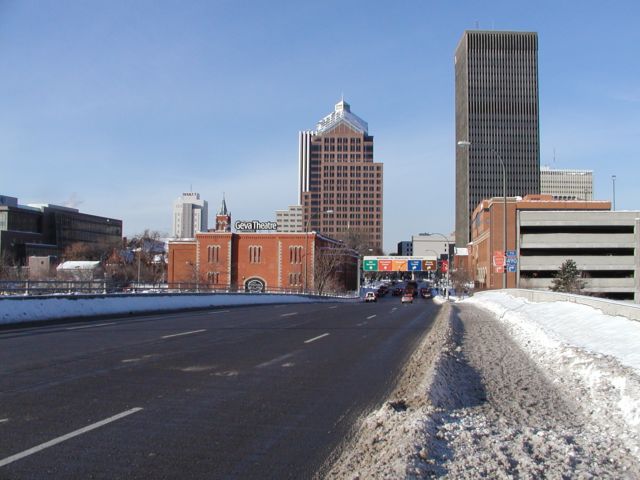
point(444, 266)
point(385, 265)
point(498, 261)
point(500, 269)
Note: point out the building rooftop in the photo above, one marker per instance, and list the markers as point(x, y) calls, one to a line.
point(342, 113)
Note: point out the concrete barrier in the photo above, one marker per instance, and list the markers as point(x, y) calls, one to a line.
point(33, 309)
point(608, 307)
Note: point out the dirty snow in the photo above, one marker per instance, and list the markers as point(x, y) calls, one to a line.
point(504, 388)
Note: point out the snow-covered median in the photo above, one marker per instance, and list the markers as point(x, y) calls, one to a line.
point(506, 388)
point(592, 353)
point(20, 310)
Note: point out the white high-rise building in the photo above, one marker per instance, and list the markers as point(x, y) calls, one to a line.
point(566, 184)
point(290, 221)
point(190, 215)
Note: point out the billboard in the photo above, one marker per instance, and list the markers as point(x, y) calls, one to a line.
point(399, 264)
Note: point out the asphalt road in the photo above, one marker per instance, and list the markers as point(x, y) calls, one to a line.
point(250, 392)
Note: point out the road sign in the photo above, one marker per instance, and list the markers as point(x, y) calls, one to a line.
point(385, 265)
point(498, 261)
point(512, 268)
point(499, 269)
point(414, 265)
point(429, 265)
point(511, 253)
point(399, 265)
point(444, 266)
point(370, 265)
point(512, 261)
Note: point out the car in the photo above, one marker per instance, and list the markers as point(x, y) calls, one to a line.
point(396, 292)
point(425, 293)
point(407, 298)
point(370, 297)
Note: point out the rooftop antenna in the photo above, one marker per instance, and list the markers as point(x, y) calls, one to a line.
point(554, 156)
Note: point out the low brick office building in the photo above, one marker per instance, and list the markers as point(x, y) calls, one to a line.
point(262, 262)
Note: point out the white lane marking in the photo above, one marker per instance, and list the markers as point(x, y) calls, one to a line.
point(184, 333)
point(394, 309)
point(361, 324)
point(316, 338)
point(219, 311)
point(66, 437)
point(289, 314)
point(275, 360)
point(2, 420)
point(335, 306)
point(91, 326)
point(371, 316)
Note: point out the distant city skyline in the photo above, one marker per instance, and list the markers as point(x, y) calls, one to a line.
point(116, 108)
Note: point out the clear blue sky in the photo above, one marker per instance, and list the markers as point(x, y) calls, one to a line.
point(118, 107)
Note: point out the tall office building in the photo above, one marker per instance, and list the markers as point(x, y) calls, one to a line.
point(340, 186)
point(190, 215)
point(497, 112)
point(566, 184)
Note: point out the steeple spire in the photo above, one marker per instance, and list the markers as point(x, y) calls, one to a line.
point(223, 207)
point(223, 218)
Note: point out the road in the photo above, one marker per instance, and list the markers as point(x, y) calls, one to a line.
point(250, 392)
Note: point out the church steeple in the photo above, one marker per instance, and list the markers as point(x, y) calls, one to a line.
point(223, 218)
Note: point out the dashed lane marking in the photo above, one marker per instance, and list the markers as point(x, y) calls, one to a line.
point(289, 314)
point(275, 360)
point(371, 316)
point(63, 438)
point(184, 333)
point(91, 326)
point(2, 420)
point(316, 338)
point(334, 306)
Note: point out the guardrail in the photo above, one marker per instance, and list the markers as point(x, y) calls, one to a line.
point(609, 307)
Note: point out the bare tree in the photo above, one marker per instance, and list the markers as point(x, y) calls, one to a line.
point(149, 256)
point(330, 267)
point(358, 240)
point(10, 268)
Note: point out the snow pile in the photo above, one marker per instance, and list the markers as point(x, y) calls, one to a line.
point(591, 354)
point(20, 310)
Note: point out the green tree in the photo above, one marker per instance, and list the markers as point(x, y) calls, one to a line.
point(568, 279)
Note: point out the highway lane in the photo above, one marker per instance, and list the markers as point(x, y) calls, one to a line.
point(246, 392)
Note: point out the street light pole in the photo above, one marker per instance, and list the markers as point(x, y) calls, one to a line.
point(613, 181)
point(466, 143)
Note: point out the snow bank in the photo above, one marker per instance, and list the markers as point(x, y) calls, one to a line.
point(593, 354)
point(20, 310)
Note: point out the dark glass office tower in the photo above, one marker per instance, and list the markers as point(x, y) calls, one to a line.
point(497, 112)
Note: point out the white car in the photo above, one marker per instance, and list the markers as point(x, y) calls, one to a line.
point(370, 297)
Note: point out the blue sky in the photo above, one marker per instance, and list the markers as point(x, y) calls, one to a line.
point(118, 107)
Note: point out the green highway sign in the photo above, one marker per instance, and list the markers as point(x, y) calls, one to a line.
point(370, 265)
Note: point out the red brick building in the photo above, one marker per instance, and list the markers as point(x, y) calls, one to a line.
point(487, 227)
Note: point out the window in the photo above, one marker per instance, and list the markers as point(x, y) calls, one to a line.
point(213, 277)
point(213, 253)
point(295, 254)
point(295, 279)
point(255, 253)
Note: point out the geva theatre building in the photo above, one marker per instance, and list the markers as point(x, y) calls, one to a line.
point(260, 262)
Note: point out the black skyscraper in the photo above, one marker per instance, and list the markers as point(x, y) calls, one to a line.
point(497, 112)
